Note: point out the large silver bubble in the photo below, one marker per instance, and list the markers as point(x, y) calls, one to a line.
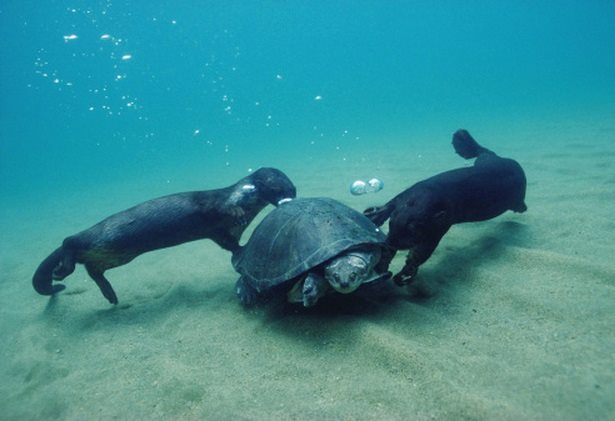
point(360, 187)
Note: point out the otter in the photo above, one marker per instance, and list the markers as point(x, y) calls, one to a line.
point(220, 215)
point(421, 215)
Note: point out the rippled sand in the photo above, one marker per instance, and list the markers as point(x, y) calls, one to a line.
point(511, 319)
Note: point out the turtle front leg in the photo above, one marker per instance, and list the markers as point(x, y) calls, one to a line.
point(246, 293)
point(314, 287)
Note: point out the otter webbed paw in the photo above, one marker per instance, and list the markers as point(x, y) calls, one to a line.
point(406, 275)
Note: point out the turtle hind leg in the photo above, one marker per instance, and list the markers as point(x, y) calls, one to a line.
point(246, 293)
point(102, 282)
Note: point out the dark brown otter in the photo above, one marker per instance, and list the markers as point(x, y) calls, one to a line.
point(220, 215)
point(421, 215)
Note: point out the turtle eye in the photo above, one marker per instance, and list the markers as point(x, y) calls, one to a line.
point(353, 276)
point(336, 277)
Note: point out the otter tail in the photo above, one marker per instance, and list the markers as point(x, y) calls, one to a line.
point(378, 214)
point(43, 277)
point(466, 146)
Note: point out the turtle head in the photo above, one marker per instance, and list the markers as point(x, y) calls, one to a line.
point(348, 271)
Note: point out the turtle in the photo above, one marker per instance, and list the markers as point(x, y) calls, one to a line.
point(309, 247)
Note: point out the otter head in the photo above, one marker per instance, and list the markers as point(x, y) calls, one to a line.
point(273, 185)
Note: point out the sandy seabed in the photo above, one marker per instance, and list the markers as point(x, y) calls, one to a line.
point(512, 318)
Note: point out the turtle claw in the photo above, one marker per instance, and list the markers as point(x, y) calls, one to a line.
point(314, 287)
point(247, 295)
point(310, 293)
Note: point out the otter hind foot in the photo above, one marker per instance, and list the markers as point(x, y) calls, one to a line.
point(50, 289)
point(42, 281)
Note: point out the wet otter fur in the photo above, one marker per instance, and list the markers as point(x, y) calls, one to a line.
point(220, 215)
point(421, 215)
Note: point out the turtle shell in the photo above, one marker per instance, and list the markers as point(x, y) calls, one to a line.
point(300, 235)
